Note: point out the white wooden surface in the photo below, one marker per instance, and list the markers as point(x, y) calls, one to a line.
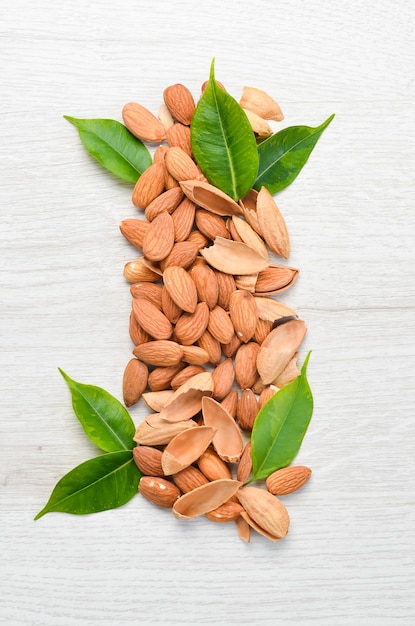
point(349, 557)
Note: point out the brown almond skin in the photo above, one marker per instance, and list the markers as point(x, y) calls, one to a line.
point(151, 319)
point(158, 241)
point(211, 225)
point(212, 466)
point(148, 460)
point(160, 378)
point(206, 284)
point(134, 230)
point(246, 372)
point(178, 135)
point(138, 335)
point(211, 345)
point(185, 374)
point(191, 326)
point(159, 491)
point(189, 478)
point(287, 480)
point(134, 381)
point(247, 410)
point(230, 402)
point(220, 325)
point(245, 464)
point(227, 512)
point(183, 218)
point(149, 291)
point(148, 186)
point(180, 102)
point(223, 376)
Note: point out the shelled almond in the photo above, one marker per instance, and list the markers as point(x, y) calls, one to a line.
point(206, 353)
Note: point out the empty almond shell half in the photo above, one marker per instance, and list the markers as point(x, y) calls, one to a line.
point(210, 198)
point(278, 349)
point(227, 441)
point(186, 401)
point(185, 448)
point(206, 498)
point(234, 257)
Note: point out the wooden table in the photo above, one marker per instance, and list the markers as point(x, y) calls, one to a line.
point(349, 556)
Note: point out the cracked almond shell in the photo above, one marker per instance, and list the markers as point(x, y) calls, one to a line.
point(185, 448)
point(227, 441)
point(233, 257)
point(205, 498)
point(209, 197)
point(278, 349)
point(266, 510)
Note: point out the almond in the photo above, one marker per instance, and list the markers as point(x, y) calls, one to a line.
point(180, 103)
point(195, 355)
point(149, 185)
point(246, 372)
point(180, 165)
point(148, 460)
point(266, 510)
point(206, 284)
point(230, 402)
point(266, 394)
point(158, 491)
point(247, 410)
point(259, 125)
point(134, 231)
point(160, 352)
point(189, 478)
point(227, 512)
point(170, 309)
point(245, 464)
point(212, 466)
point(134, 381)
point(198, 238)
point(151, 319)
point(148, 291)
point(272, 224)
point(167, 201)
point(262, 330)
point(185, 374)
point(288, 479)
point(181, 287)
point(160, 378)
point(136, 271)
point(230, 349)
point(142, 123)
point(191, 326)
point(243, 313)
point(183, 218)
point(182, 254)
point(211, 225)
point(137, 334)
point(261, 103)
point(159, 239)
point(178, 136)
point(223, 376)
point(211, 345)
point(220, 325)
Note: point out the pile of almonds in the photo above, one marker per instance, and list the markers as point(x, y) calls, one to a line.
point(211, 343)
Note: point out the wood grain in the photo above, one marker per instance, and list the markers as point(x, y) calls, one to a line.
point(349, 556)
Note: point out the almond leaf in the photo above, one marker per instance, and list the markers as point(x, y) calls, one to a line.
point(223, 142)
point(280, 426)
point(283, 155)
point(104, 482)
point(104, 419)
point(114, 147)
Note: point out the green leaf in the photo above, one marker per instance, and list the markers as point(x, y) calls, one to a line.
point(104, 419)
point(113, 146)
point(283, 155)
point(223, 142)
point(281, 425)
point(104, 482)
